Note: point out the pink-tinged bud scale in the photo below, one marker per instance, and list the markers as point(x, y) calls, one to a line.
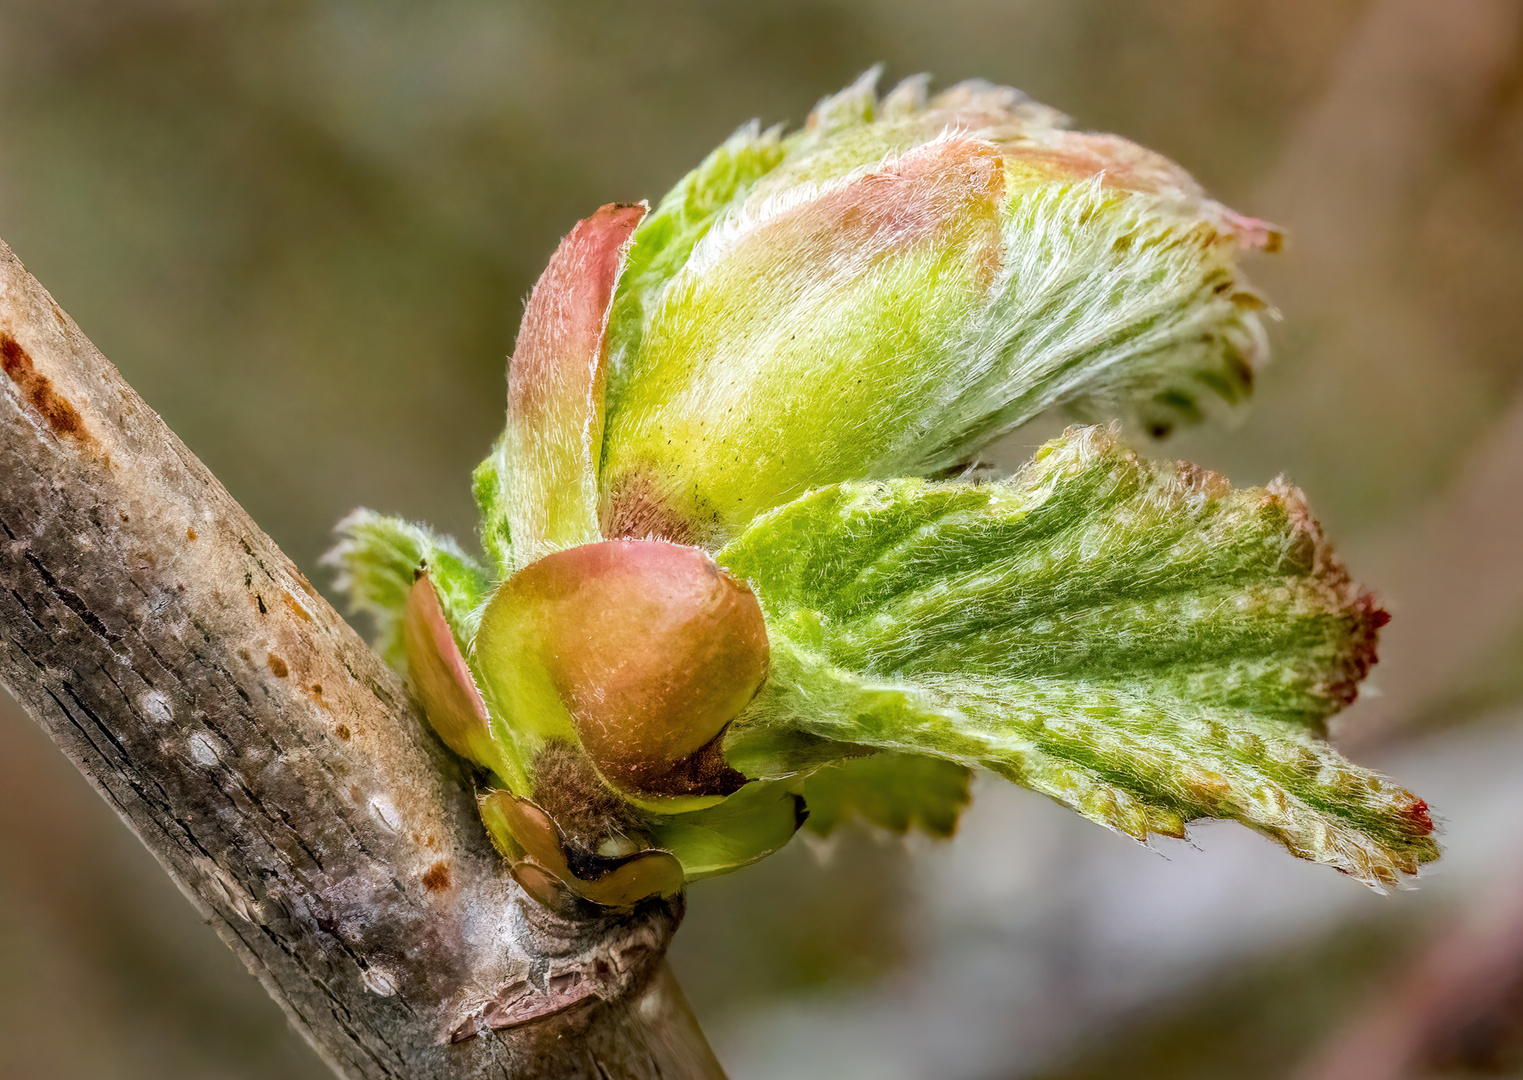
point(442, 680)
point(555, 388)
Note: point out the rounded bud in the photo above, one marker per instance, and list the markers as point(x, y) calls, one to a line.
point(650, 647)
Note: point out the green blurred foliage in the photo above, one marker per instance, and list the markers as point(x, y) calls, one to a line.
point(1295, 998)
point(820, 916)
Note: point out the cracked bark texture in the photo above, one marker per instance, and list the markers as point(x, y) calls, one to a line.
point(274, 765)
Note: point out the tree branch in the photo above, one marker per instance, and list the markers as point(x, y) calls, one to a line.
point(274, 765)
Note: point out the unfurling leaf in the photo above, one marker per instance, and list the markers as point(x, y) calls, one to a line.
point(551, 448)
point(379, 557)
point(896, 285)
point(1140, 642)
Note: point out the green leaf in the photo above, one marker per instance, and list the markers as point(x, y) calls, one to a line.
point(684, 216)
point(1092, 564)
point(378, 558)
point(748, 825)
point(489, 486)
point(1138, 641)
point(894, 791)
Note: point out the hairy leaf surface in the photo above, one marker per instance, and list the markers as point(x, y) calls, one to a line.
point(1141, 642)
point(378, 558)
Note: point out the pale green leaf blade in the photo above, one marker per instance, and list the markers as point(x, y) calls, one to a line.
point(1139, 641)
point(666, 238)
point(792, 326)
point(1091, 564)
point(1110, 302)
point(1119, 292)
point(867, 298)
point(1132, 763)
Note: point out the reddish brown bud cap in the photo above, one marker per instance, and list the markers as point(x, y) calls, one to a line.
point(650, 646)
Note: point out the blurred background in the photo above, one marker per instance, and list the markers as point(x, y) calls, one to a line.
point(303, 230)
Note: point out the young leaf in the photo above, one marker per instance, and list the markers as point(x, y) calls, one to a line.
point(1138, 641)
point(489, 487)
point(897, 284)
point(896, 792)
point(857, 297)
point(379, 557)
point(666, 237)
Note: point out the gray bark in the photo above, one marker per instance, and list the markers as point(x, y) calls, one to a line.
point(274, 765)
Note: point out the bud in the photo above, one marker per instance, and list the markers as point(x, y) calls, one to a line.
point(908, 280)
point(645, 649)
point(773, 366)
